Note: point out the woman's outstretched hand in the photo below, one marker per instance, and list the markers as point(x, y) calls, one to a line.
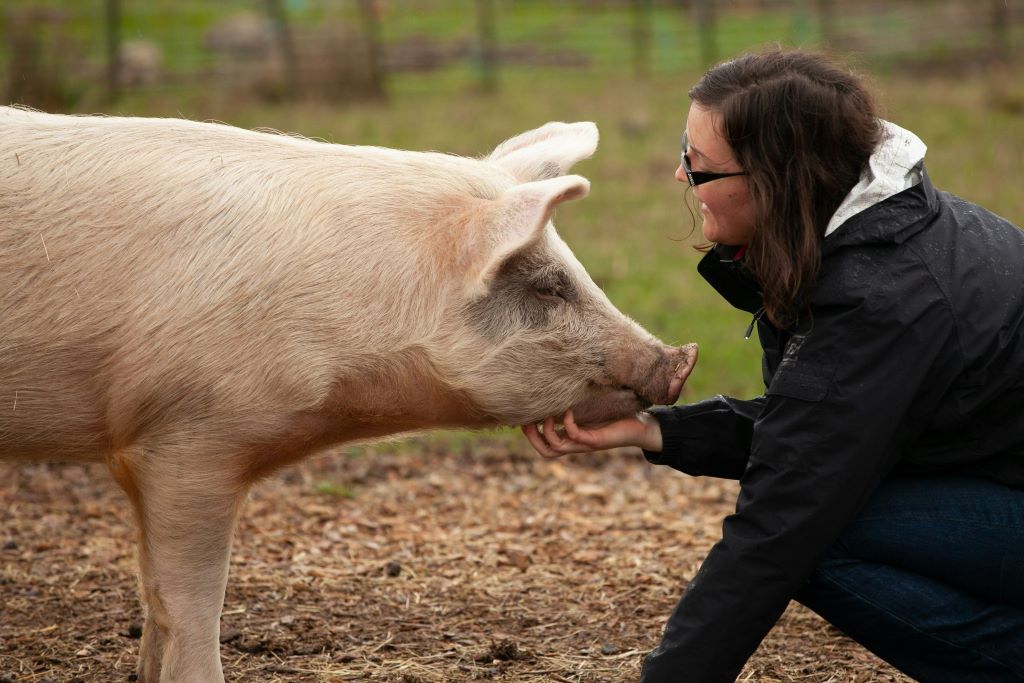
point(641, 430)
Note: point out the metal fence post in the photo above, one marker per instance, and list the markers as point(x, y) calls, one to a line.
point(801, 23)
point(113, 21)
point(706, 28)
point(827, 20)
point(488, 30)
point(369, 13)
point(641, 38)
point(1000, 23)
point(283, 37)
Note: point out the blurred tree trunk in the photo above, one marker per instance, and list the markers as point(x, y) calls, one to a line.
point(369, 13)
point(487, 26)
point(285, 46)
point(642, 38)
point(113, 21)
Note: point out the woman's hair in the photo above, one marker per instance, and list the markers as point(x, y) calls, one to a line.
point(802, 127)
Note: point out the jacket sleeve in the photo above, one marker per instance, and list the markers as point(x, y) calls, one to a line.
point(709, 438)
point(846, 396)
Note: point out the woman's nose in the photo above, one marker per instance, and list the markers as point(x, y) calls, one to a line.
point(681, 174)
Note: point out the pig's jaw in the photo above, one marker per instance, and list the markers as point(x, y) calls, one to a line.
point(612, 404)
point(659, 383)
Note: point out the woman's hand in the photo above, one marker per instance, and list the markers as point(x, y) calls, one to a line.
point(641, 430)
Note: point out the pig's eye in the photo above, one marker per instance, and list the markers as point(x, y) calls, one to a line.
point(549, 294)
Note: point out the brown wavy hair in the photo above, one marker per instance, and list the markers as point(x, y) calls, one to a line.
point(802, 126)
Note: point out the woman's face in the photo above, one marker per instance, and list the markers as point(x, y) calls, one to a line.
point(725, 203)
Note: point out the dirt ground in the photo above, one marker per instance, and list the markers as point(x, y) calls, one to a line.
point(413, 566)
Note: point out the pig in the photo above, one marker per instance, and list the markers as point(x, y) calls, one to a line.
point(198, 305)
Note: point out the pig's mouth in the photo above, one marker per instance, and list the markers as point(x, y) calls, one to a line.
point(612, 403)
point(635, 394)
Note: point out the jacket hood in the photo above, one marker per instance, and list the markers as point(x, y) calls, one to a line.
point(897, 164)
point(893, 201)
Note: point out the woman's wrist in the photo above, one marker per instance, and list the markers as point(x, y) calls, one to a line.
point(651, 439)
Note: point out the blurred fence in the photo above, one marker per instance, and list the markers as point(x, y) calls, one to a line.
point(63, 54)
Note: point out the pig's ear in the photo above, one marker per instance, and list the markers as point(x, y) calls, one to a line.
point(518, 219)
point(546, 152)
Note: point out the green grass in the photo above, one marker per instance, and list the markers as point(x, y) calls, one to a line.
point(334, 489)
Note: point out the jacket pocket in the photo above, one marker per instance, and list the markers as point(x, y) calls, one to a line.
point(802, 383)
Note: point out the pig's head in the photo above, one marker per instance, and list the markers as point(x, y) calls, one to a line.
point(533, 335)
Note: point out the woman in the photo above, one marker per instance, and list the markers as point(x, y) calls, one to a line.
point(882, 472)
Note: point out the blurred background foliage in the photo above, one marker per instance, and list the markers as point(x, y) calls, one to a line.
point(462, 75)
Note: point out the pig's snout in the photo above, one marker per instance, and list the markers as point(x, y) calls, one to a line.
point(663, 383)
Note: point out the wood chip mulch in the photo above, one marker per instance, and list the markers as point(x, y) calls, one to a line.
point(410, 564)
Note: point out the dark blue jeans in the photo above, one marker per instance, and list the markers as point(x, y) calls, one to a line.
point(930, 577)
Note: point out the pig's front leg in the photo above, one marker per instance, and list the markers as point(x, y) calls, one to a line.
point(187, 504)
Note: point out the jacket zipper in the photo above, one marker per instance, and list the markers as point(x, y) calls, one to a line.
point(750, 327)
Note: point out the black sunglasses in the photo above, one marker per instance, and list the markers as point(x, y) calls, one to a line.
point(696, 178)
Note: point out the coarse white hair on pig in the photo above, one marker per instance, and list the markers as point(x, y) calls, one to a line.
point(198, 305)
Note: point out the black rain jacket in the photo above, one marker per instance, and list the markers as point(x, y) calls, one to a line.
point(909, 360)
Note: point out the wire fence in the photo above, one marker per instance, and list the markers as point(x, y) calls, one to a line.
point(62, 54)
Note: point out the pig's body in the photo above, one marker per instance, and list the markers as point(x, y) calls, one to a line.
point(198, 305)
